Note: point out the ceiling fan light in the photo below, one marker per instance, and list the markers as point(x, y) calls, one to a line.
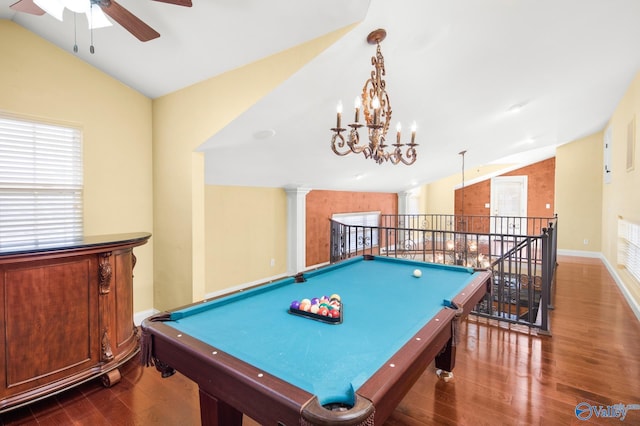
point(77, 6)
point(97, 18)
point(52, 7)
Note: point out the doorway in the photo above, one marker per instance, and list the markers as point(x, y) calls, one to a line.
point(509, 204)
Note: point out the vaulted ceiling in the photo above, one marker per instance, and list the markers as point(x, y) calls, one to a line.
point(506, 80)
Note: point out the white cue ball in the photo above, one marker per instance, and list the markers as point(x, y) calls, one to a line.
point(417, 273)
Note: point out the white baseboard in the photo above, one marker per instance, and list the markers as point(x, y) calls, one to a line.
point(580, 253)
point(633, 304)
point(316, 266)
point(138, 317)
point(244, 286)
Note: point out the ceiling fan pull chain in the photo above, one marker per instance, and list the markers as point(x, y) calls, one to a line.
point(91, 49)
point(75, 34)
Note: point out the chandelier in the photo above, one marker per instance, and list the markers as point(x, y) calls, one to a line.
point(376, 109)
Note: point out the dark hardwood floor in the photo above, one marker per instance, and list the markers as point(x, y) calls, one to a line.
point(503, 376)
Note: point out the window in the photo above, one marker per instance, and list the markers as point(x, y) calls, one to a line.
point(40, 183)
point(629, 247)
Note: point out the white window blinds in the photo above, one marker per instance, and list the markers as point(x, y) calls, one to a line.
point(629, 247)
point(40, 183)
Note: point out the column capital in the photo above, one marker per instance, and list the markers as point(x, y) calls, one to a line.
point(296, 190)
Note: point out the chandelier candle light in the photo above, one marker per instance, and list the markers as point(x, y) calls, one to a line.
point(376, 110)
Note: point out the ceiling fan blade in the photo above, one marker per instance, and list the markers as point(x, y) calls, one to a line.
point(186, 3)
point(27, 6)
point(129, 21)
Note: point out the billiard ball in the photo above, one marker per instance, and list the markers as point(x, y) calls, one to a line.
point(305, 301)
point(304, 306)
point(335, 297)
point(315, 301)
point(295, 305)
point(417, 273)
point(323, 311)
point(314, 309)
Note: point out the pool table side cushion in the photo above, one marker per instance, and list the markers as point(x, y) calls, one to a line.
point(473, 293)
point(395, 260)
point(387, 388)
point(390, 384)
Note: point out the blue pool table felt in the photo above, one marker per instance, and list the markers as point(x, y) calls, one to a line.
point(384, 305)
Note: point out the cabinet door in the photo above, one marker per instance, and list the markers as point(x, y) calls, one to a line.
point(49, 311)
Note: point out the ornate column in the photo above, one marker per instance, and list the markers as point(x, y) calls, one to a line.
point(403, 201)
point(403, 209)
point(296, 229)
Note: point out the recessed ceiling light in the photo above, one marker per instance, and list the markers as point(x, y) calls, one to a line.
point(264, 134)
point(517, 107)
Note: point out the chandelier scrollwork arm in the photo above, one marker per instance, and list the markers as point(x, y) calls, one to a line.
point(376, 110)
point(342, 147)
point(338, 143)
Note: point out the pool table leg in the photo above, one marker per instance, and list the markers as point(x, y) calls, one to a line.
point(446, 359)
point(214, 412)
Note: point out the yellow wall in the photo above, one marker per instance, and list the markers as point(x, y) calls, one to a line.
point(182, 121)
point(41, 81)
point(245, 229)
point(578, 198)
point(622, 196)
point(439, 195)
point(423, 197)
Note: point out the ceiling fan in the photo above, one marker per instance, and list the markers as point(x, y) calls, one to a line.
point(95, 10)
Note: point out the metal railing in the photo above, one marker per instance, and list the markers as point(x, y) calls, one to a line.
point(516, 225)
point(523, 265)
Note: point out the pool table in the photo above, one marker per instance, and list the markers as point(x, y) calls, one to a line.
point(249, 355)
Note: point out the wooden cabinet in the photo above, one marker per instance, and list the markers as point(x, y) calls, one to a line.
point(67, 315)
